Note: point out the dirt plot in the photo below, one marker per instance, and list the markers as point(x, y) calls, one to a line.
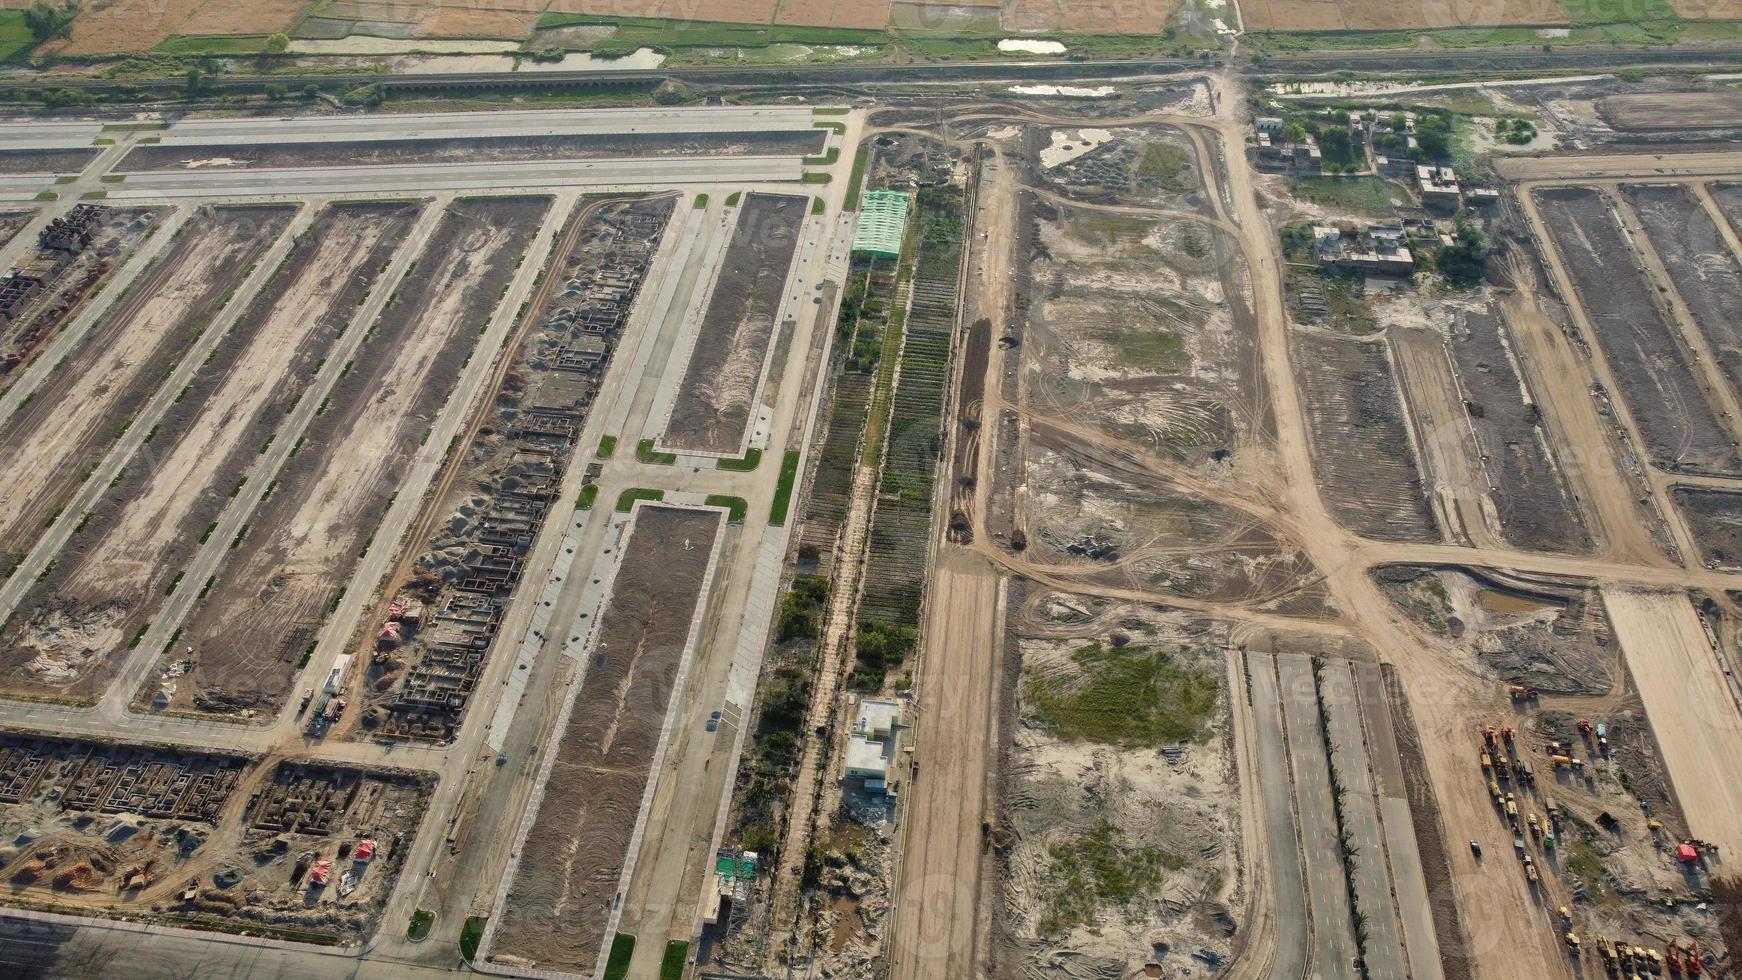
point(11, 222)
point(1715, 522)
point(1134, 165)
point(124, 26)
point(1672, 110)
point(55, 161)
point(1640, 342)
point(712, 410)
point(1099, 17)
point(1130, 330)
point(1373, 15)
point(503, 149)
point(1699, 263)
point(1104, 520)
point(75, 624)
point(62, 433)
point(1094, 763)
point(567, 877)
point(1729, 200)
point(272, 595)
point(1366, 464)
point(1533, 501)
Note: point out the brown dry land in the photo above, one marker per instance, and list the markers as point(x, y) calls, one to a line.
point(481, 18)
point(245, 17)
point(271, 597)
point(573, 856)
point(1377, 15)
point(729, 11)
point(62, 433)
point(712, 411)
point(1637, 334)
point(125, 26)
point(872, 16)
point(77, 621)
point(1707, 9)
point(1673, 110)
point(495, 149)
point(56, 161)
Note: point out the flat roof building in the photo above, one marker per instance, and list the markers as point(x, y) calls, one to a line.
point(882, 224)
point(871, 744)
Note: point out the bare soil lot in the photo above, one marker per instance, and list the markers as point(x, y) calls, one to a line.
point(1715, 522)
point(1672, 110)
point(1366, 464)
point(1640, 342)
point(244, 17)
point(1535, 507)
point(503, 149)
point(76, 622)
point(727, 11)
point(1132, 165)
point(1103, 17)
point(712, 410)
point(57, 161)
point(570, 863)
point(272, 595)
point(1699, 263)
point(870, 16)
point(63, 432)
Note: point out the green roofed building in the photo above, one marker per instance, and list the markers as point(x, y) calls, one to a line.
point(882, 224)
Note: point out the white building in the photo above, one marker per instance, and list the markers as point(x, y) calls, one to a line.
point(871, 743)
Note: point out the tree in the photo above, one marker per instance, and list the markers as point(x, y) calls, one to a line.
point(1462, 264)
point(196, 80)
point(44, 20)
point(277, 44)
point(276, 91)
point(1293, 133)
point(1433, 134)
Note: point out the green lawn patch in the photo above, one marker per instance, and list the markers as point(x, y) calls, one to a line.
point(112, 178)
point(607, 446)
point(589, 493)
point(47, 196)
point(218, 44)
point(750, 461)
point(1360, 193)
point(421, 922)
point(817, 177)
point(701, 201)
point(15, 38)
point(471, 934)
point(134, 127)
point(828, 158)
point(817, 206)
point(622, 949)
point(645, 453)
point(733, 198)
point(1166, 163)
point(1155, 350)
point(66, 178)
point(736, 507)
point(677, 956)
point(1134, 697)
point(838, 128)
point(783, 490)
point(830, 110)
point(93, 195)
point(856, 180)
point(626, 502)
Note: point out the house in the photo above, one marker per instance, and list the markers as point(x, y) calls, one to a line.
point(1381, 249)
point(871, 742)
point(1271, 125)
point(1439, 187)
point(1307, 157)
point(1482, 197)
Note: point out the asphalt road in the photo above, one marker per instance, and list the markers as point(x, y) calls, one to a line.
point(1333, 942)
point(1287, 883)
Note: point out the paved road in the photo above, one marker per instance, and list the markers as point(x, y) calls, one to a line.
point(1287, 884)
point(459, 125)
point(1385, 956)
point(1407, 878)
point(621, 173)
point(1333, 944)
